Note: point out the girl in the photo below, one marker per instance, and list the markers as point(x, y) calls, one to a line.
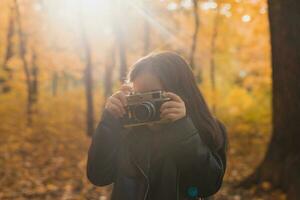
point(180, 160)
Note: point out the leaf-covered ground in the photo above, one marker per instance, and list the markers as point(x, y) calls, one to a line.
point(48, 160)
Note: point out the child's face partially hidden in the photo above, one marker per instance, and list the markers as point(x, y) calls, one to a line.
point(145, 82)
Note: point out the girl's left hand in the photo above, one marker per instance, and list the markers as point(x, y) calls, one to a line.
point(173, 109)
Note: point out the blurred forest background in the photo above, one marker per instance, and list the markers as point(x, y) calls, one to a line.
point(60, 59)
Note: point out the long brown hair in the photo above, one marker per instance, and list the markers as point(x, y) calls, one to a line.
point(176, 76)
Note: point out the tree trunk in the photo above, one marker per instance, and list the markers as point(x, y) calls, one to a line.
point(54, 83)
point(66, 82)
point(109, 67)
point(118, 23)
point(122, 62)
point(212, 60)
point(195, 35)
point(146, 37)
point(23, 52)
point(146, 31)
point(4, 81)
point(35, 74)
point(281, 164)
point(89, 93)
point(88, 79)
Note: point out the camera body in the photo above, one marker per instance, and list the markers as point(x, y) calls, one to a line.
point(144, 108)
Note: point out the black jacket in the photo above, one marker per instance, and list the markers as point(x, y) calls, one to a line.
point(189, 168)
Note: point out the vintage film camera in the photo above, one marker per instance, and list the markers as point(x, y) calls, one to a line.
point(144, 108)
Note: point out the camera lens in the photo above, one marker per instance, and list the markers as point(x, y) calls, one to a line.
point(144, 111)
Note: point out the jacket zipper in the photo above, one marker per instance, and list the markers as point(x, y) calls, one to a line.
point(147, 178)
point(148, 168)
point(177, 183)
point(145, 195)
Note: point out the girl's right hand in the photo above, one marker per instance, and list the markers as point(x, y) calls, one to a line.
point(116, 103)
